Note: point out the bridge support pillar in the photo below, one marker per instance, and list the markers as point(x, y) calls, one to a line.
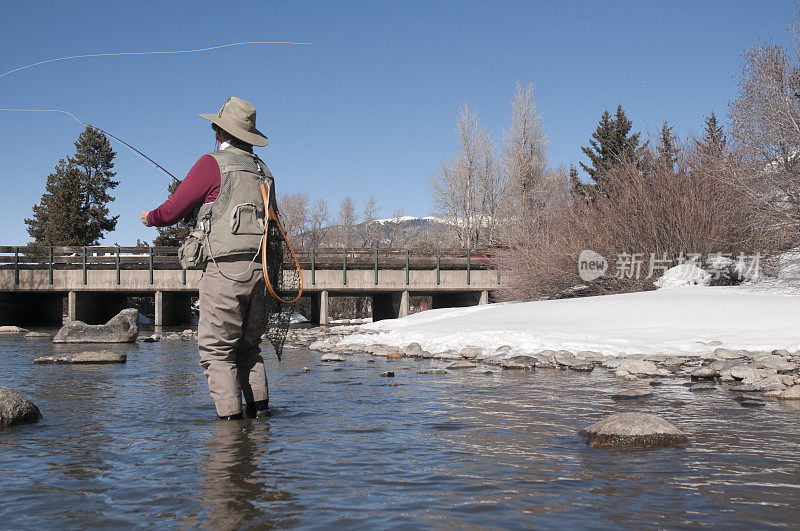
point(319, 308)
point(458, 300)
point(94, 307)
point(390, 305)
point(31, 309)
point(172, 308)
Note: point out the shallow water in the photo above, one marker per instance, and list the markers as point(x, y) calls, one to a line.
point(138, 445)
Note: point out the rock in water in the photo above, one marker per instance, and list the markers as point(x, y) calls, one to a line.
point(122, 328)
point(331, 357)
point(792, 393)
point(461, 365)
point(631, 395)
point(639, 367)
point(565, 358)
point(40, 335)
point(752, 402)
point(16, 409)
point(394, 354)
point(11, 330)
point(470, 352)
point(633, 430)
point(99, 356)
point(703, 373)
point(432, 371)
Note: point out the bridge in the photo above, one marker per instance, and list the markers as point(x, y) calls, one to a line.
point(94, 283)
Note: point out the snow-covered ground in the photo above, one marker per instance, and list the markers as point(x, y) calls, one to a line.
point(298, 318)
point(668, 321)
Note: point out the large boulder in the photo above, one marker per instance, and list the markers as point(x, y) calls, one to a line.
point(633, 430)
point(16, 409)
point(122, 328)
point(91, 356)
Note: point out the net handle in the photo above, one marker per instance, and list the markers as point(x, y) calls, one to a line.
point(269, 214)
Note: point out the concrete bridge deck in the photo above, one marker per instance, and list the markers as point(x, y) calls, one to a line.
point(96, 281)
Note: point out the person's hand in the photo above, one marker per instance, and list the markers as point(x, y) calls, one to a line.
point(143, 217)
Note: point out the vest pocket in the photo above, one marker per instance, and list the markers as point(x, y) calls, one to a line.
point(192, 252)
point(245, 220)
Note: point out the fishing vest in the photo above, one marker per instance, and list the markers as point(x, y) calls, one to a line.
point(234, 222)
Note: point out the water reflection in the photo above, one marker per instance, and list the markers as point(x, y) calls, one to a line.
point(237, 479)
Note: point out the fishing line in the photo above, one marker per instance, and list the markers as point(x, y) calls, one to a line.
point(111, 54)
point(148, 159)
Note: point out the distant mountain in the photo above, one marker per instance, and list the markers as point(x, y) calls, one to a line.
point(403, 231)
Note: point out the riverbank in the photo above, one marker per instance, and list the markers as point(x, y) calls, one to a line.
point(746, 339)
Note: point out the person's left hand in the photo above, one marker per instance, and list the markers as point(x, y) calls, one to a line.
point(143, 217)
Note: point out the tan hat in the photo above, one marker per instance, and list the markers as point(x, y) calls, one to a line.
point(238, 117)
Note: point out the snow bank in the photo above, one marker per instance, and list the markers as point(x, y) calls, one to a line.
point(663, 321)
point(687, 274)
point(297, 318)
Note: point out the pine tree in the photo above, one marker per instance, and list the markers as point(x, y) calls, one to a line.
point(611, 145)
point(73, 209)
point(578, 187)
point(712, 144)
point(173, 235)
point(60, 218)
point(93, 154)
point(668, 149)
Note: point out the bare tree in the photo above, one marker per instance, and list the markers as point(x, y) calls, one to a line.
point(458, 186)
point(525, 149)
point(396, 237)
point(527, 187)
point(318, 217)
point(492, 187)
point(370, 231)
point(766, 133)
point(294, 214)
point(347, 221)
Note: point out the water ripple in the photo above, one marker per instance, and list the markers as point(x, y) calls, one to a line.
point(137, 444)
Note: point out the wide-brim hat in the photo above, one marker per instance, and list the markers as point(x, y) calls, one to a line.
point(238, 117)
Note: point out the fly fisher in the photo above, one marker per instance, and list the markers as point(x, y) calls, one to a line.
point(231, 194)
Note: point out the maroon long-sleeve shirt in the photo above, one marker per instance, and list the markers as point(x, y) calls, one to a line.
point(200, 186)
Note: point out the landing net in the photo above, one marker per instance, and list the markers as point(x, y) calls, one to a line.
point(283, 285)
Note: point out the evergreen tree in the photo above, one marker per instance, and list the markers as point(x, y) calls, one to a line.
point(712, 144)
point(668, 149)
point(73, 210)
point(60, 218)
point(611, 144)
point(173, 235)
point(578, 187)
point(93, 154)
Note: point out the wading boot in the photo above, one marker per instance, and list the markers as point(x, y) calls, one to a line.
point(237, 416)
point(258, 410)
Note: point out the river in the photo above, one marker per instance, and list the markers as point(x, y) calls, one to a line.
point(139, 445)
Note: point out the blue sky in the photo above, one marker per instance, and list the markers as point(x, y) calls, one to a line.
point(369, 109)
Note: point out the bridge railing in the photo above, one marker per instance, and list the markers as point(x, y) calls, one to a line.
point(113, 257)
